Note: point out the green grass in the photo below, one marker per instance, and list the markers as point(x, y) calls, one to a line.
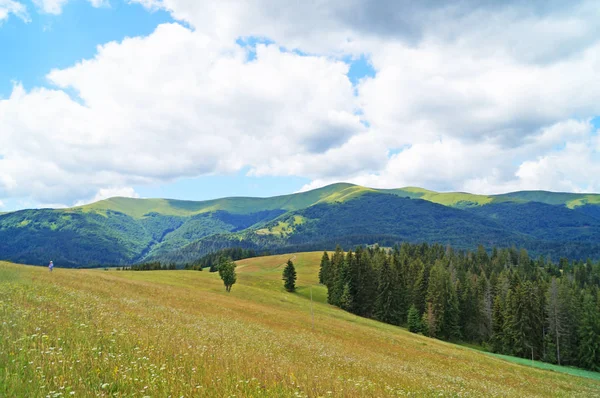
point(537, 364)
point(548, 366)
point(585, 200)
point(137, 208)
point(283, 228)
point(178, 333)
point(452, 199)
point(346, 194)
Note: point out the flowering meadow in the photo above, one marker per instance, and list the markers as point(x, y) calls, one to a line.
point(97, 333)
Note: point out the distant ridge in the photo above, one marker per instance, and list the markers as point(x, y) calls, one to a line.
point(123, 230)
point(338, 192)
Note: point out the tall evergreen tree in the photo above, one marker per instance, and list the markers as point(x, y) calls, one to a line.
point(337, 278)
point(289, 277)
point(325, 269)
point(414, 319)
point(555, 310)
point(498, 323)
point(386, 306)
point(589, 333)
point(346, 302)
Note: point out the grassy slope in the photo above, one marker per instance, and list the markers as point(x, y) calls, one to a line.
point(453, 199)
point(340, 192)
point(239, 205)
point(94, 332)
point(548, 366)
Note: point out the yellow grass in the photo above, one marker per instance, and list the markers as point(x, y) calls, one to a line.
point(178, 333)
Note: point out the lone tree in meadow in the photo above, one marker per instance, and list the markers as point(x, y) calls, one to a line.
point(289, 277)
point(227, 272)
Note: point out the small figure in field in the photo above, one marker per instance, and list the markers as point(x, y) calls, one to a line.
point(51, 265)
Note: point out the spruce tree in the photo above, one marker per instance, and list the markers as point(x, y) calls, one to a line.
point(386, 304)
point(337, 277)
point(414, 319)
point(289, 277)
point(555, 316)
point(589, 334)
point(420, 286)
point(498, 338)
point(325, 269)
point(346, 298)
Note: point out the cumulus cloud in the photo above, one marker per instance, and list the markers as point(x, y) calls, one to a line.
point(437, 90)
point(488, 167)
point(106, 193)
point(16, 8)
point(471, 79)
point(353, 26)
point(476, 95)
point(176, 103)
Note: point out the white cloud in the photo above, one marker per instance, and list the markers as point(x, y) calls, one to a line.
point(1, 204)
point(105, 193)
point(477, 96)
point(50, 6)
point(452, 80)
point(8, 7)
point(99, 3)
point(56, 6)
point(535, 31)
point(173, 104)
point(488, 167)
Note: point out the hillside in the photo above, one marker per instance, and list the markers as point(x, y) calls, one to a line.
point(139, 208)
point(178, 333)
point(124, 230)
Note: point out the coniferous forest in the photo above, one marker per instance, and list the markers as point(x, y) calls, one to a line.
point(504, 301)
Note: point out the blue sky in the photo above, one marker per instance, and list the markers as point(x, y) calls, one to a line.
point(198, 99)
point(58, 41)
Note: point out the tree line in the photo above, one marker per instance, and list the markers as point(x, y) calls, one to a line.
point(151, 266)
point(504, 301)
point(213, 259)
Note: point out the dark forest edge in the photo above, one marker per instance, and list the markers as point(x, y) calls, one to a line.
point(210, 261)
point(506, 302)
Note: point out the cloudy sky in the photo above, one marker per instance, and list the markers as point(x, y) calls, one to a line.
point(199, 99)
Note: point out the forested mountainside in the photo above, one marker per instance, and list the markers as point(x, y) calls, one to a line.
point(121, 231)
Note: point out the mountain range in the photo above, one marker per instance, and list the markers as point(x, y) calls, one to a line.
point(119, 231)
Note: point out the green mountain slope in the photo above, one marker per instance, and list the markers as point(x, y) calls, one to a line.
point(543, 221)
point(370, 218)
point(570, 200)
point(238, 205)
point(125, 230)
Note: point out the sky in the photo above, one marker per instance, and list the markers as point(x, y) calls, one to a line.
point(195, 99)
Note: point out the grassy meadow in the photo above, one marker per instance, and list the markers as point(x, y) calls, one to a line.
point(178, 333)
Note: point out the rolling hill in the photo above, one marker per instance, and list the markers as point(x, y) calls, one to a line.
point(178, 333)
point(121, 231)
